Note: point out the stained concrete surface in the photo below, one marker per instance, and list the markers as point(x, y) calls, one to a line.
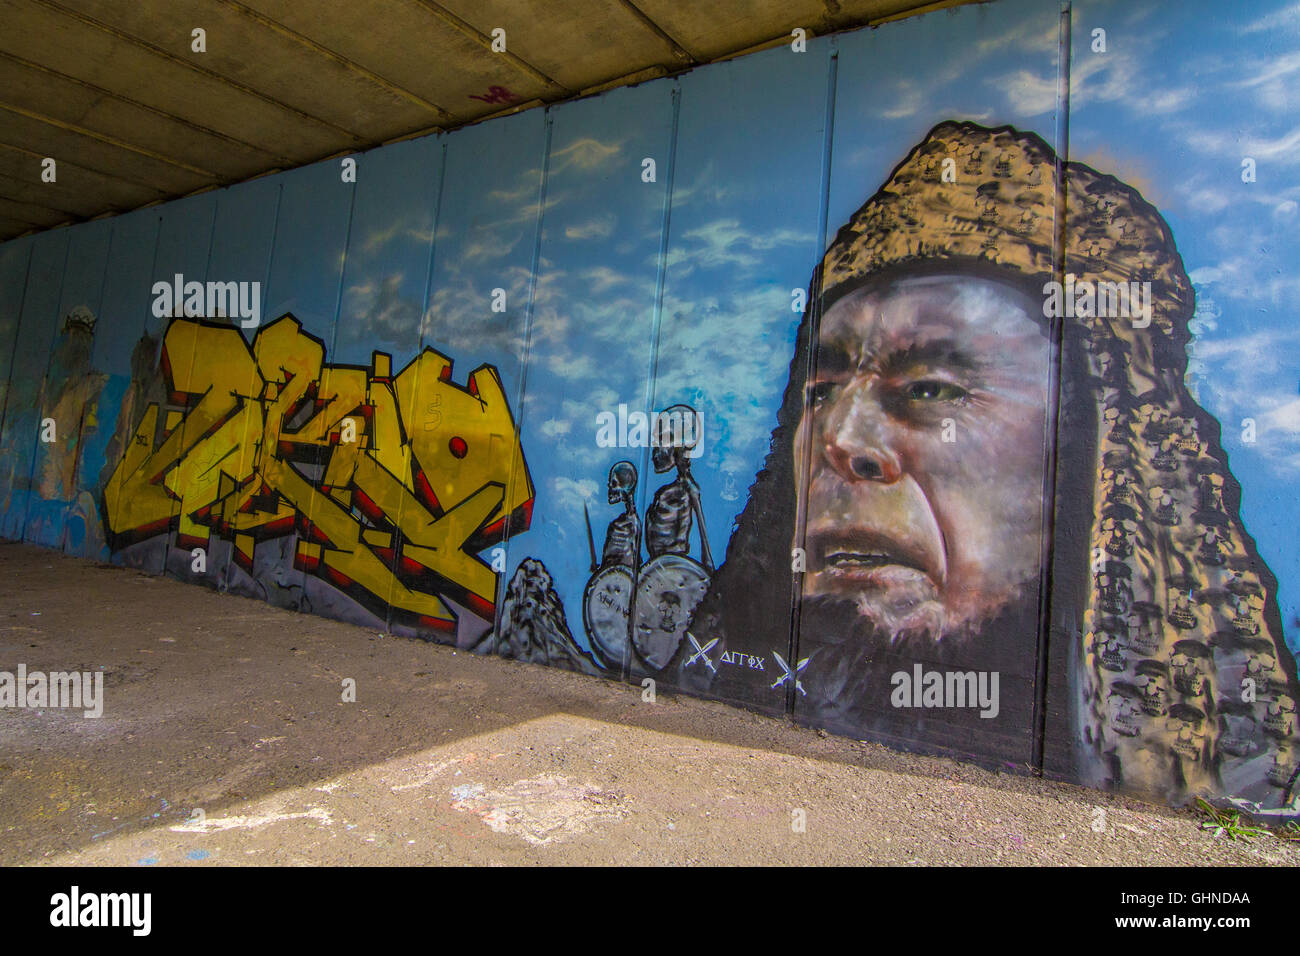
point(225, 740)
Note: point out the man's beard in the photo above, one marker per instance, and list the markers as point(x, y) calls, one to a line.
point(852, 659)
point(911, 623)
point(905, 612)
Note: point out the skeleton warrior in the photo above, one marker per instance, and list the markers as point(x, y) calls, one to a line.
point(669, 518)
point(623, 537)
point(666, 589)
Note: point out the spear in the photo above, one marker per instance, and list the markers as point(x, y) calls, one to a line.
point(694, 496)
point(591, 542)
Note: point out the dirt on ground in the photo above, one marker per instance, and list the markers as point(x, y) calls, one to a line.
point(225, 739)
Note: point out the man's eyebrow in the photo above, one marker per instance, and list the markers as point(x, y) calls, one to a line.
point(832, 359)
point(945, 352)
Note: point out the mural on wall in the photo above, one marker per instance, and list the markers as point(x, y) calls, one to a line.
point(923, 548)
point(394, 482)
point(965, 491)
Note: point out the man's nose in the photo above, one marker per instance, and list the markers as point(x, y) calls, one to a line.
point(855, 442)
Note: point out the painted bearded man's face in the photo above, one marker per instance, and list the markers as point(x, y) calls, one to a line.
point(925, 422)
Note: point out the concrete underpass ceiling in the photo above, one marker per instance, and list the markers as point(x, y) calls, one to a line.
point(113, 91)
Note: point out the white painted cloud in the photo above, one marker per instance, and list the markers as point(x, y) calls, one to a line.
point(601, 227)
point(1288, 18)
point(1252, 375)
point(568, 495)
point(554, 427)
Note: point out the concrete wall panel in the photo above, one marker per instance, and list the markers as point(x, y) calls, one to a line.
point(465, 392)
point(934, 423)
point(1174, 613)
point(747, 206)
point(219, 432)
point(589, 360)
point(14, 260)
point(37, 326)
point(122, 358)
point(301, 298)
point(70, 387)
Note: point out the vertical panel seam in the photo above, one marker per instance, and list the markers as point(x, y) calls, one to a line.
point(266, 285)
point(325, 373)
point(13, 352)
point(814, 320)
point(520, 393)
point(40, 394)
point(399, 539)
point(651, 393)
point(81, 422)
point(1052, 437)
point(174, 533)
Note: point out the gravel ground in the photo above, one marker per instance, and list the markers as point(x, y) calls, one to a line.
point(224, 740)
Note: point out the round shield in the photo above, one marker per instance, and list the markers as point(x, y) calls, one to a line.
point(667, 593)
point(604, 612)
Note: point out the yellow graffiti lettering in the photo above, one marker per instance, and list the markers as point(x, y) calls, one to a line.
point(255, 450)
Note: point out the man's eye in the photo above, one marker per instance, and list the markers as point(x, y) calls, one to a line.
point(818, 392)
point(930, 390)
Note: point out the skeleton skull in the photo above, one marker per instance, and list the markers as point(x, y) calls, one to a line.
point(622, 481)
point(1154, 694)
point(1280, 718)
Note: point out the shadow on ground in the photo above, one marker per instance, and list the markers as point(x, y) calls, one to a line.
point(225, 739)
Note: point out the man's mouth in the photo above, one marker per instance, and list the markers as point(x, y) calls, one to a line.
point(862, 554)
point(861, 560)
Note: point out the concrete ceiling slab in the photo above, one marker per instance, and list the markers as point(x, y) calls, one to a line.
point(132, 114)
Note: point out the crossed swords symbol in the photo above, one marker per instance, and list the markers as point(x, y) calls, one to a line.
point(790, 674)
point(701, 653)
